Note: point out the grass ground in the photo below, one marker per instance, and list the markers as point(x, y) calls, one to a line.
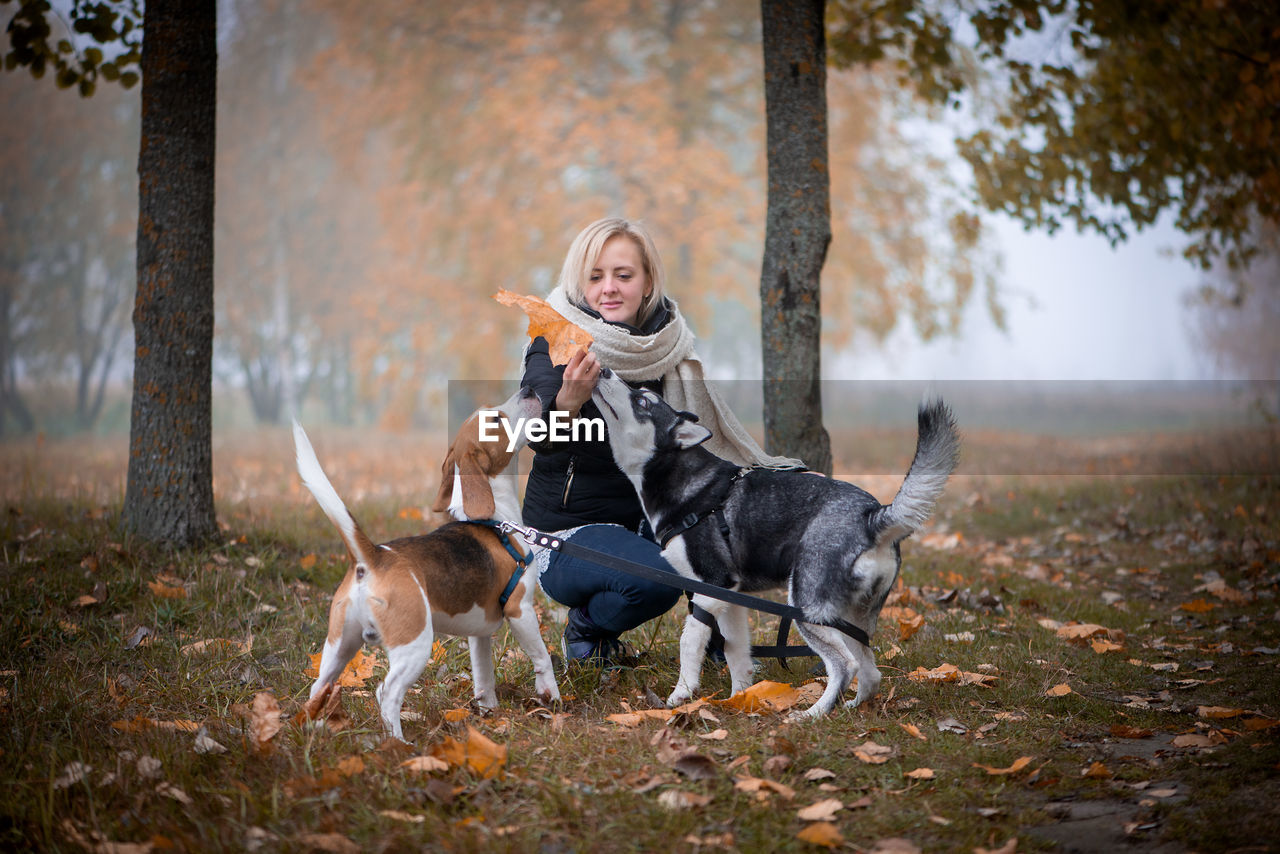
point(1078, 663)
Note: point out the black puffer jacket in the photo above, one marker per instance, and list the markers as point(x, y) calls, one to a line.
point(576, 483)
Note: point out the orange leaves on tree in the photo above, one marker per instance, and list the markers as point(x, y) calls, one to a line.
point(563, 337)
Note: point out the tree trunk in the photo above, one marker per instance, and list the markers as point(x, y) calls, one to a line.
point(11, 404)
point(169, 496)
point(797, 229)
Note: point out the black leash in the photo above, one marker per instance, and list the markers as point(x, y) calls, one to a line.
point(789, 613)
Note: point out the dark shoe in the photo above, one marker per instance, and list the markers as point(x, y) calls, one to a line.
point(585, 641)
point(715, 646)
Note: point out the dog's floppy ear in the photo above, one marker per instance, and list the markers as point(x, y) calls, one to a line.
point(687, 434)
point(477, 492)
point(444, 495)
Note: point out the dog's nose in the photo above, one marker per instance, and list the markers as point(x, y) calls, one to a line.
point(526, 392)
point(605, 373)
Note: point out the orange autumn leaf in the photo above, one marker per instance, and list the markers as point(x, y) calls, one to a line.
point(350, 766)
point(414, 513)
point(822, 833)
point(563, 337)
point(264, 721)
point(632, 719)
point(763, 697)
point(821, 811)
point(908, 627)
point(325, 706)
point(914, 731)
point(357, 671)
point(1097, 771)
point(1080, 631)
point(1059, 690)
point(455, 715)
point(425, 764)
point(949, 673)
point(1218, 712)
point(166, 591)
point(1020, 763)
point(308, 561)
point(872, 753)
point(478, 753)
point(1197, 606)
point(141, 724)
point(921, 774)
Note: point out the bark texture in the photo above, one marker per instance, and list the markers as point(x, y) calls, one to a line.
point(797, 229)
point(169, 497)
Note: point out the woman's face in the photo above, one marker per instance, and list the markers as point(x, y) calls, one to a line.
point(616, 286)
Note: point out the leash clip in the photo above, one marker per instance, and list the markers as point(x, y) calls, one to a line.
point(532, 536)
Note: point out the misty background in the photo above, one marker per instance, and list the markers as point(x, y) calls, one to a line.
point(384, 170)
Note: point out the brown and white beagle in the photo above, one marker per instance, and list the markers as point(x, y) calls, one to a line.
point(451, 581)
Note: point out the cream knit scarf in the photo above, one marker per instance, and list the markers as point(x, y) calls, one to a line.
point(668, 354)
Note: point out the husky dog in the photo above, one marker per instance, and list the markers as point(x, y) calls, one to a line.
point(832, 545)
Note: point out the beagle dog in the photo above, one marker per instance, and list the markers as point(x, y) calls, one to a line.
point(463, 578)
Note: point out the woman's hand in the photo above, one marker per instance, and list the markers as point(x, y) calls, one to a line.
point(580, 377)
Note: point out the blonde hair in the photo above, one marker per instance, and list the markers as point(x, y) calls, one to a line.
point(585, 251)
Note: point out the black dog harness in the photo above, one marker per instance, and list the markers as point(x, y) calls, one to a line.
point(501, 529)
point(669, 532)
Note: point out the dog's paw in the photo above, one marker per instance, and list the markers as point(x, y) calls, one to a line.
point(805, 715)
point(679, 697)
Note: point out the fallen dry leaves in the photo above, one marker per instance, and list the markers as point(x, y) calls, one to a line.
point(822, 833)
point(477, 753)
point(358, 670)
point(1018, 764)
point(264, 721)
point(950, 674)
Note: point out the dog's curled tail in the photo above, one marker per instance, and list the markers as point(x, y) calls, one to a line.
point(314, 479)
point(937, 452)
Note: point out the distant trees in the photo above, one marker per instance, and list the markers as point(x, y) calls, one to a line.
point(67, 215)
point(375, 188)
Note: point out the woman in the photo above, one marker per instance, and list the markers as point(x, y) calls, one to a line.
point(612, 285)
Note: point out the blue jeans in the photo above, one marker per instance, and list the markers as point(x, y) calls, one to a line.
point(612, 600)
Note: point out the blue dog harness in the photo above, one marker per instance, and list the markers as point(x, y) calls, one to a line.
point(516, 555)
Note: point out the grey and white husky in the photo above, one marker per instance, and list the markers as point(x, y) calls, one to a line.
point(832, 545)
